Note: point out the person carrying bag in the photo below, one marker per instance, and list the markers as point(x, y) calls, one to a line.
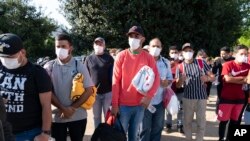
point(108, 131)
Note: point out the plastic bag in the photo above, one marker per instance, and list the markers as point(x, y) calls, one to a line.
point(173, 105)
point(168, 93)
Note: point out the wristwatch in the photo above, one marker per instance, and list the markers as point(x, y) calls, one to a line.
point(47, 132)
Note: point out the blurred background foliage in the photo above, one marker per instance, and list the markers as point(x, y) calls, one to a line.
point(207, 24)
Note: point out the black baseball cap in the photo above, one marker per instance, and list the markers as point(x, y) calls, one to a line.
point(10, 44)
point(135, 29)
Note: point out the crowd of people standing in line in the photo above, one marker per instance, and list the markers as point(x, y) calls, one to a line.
point(28, 90)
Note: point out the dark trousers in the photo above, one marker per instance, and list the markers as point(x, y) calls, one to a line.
point(76, 130)
point(219, 88)
point(209, 85)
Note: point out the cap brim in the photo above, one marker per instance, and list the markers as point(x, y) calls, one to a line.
point(133, 32)
point(187, 47)
point(4, 55)
point(99, 40)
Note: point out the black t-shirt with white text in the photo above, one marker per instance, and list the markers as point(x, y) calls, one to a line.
point(21, 87)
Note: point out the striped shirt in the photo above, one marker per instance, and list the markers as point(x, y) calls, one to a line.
point(193, 86)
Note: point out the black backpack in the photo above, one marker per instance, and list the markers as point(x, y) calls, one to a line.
point(106, 132)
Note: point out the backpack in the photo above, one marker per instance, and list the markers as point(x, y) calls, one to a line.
point(200, 64)
point(109, 132)
point(51, 64)
point(77, 88)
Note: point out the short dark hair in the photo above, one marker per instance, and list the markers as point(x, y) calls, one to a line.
point(64, 36)
point(156, 38)
point(200, 52)
point(238, 47)
point(209, 59)
point(173, 47)
point(225, 48)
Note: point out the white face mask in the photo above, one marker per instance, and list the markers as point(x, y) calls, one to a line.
point(246, 60)
point(62, 53)
point(241, 58)
point(134, 43)
point(174, 56)
point(180, 58)
point(155, 51)
point(10, 63)
point(188, 55)
point(98, 49)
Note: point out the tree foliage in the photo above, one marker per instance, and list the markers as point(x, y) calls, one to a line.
point(245, 37)
point(208, 24)
point(30, 24)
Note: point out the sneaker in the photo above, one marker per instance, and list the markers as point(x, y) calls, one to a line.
point(169, 130)
point(168, 126)
point(180, 130)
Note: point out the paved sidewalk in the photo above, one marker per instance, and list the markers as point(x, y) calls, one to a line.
point(211, 128)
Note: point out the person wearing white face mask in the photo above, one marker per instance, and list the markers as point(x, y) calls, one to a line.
point(235, 74)
point(153, 123)
point(27, 90)
point(174, 61)
point(68, 114)
point(100, 66)
point(125, 97)
point(192, 74)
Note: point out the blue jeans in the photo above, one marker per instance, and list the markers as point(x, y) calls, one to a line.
point(28, 135)
point(247, 117)
point(153, 124)
point(102, 103)
point(131, 117)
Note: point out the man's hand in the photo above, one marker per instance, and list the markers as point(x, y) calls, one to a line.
point(183, 77)
point(68, 112)
point(204, 78)
point(181, 80)
point(164, 83)
point(42, 137)
point(145, 102)
point(114, 111)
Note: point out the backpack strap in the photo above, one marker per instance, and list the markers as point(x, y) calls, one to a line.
point(181, 67)
point(163, 60)
point(200, 63)
point(76, 66)
point(49, 66)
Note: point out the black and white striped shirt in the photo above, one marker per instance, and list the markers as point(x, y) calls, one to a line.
point(193, 86)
